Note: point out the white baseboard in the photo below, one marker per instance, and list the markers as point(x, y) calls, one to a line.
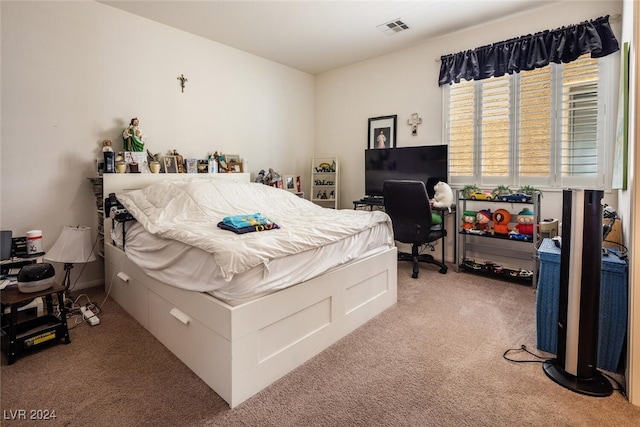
point(88, 284)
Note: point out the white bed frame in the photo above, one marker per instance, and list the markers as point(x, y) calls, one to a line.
point(239, 350)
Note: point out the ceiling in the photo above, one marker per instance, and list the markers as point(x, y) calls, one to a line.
point(320, 35)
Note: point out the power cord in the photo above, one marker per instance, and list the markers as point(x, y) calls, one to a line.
point(541, 359)
point(621, 253)
point(74, 314)
point(106, 297)
point(84, 264)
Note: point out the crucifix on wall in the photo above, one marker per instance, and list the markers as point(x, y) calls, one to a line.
point(183, 80)
point(414, 121)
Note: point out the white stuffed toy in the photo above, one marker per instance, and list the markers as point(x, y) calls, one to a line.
point(443, 197)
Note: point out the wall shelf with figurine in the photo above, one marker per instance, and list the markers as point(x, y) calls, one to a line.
point(497, 236)
point(325, 181)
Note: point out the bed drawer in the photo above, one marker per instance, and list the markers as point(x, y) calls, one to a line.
point(200, 348)
point(128, 293)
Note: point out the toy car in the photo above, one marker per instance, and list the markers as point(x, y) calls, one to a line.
point(488, 265)
point(521, 273)
point(525, 273)
point(469, 263)
point(516, 236)
point(476, 231)
point(516, 197)
point(480, 196)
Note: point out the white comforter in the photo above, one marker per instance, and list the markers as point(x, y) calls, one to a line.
point(189, 210)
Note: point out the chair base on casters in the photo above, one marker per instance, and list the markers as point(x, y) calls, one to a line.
point(417, 258)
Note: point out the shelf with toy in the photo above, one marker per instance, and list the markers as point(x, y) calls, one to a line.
point(497, 227)
point(491, 235)
point(497, 271)
point(325, 181)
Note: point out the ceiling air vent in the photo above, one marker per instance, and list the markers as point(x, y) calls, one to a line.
point(393, 27)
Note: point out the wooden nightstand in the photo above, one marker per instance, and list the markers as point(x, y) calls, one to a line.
point(18, 335)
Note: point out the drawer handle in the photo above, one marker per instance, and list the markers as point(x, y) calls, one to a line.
point(123, 277)
point(180, 316)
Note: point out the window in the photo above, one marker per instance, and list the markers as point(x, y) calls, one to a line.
point(549, 127)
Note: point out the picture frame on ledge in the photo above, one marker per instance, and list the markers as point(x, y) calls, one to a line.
point(170, 164)
point(382, 132)
point(233, 163)
point(203, 166)
point(137, 161)
point(232, 158)
point(192, 165)
point(234, 167)
point(289, 183)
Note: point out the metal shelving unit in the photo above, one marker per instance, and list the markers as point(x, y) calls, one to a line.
point(496, 255)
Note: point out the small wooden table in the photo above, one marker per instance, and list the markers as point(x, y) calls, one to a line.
point(19, 336)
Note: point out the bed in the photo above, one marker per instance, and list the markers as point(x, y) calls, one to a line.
point(240, 342)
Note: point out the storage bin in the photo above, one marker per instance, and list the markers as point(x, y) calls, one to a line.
point(612, 326)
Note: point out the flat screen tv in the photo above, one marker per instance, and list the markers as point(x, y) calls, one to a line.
point(428, 164)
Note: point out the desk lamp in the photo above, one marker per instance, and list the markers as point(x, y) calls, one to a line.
point(72, 247)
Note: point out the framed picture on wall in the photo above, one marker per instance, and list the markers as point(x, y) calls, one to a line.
point(382, 132)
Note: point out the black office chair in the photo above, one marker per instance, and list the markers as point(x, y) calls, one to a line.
point(408, 205)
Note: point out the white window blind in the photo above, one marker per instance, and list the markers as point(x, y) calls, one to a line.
point(580, 119)
point(495, 102)
point(544, 127)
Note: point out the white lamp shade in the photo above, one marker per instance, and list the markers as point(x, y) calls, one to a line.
point(73, 246)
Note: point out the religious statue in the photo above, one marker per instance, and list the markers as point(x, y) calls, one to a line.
point(133, 136)
point(106, 146)
point(222, 162)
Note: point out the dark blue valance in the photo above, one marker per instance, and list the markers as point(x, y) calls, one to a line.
point(528, 52)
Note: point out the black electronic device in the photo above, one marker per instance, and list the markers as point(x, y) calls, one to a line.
point(36, 277)
point(114, 209)
point(6, 243)
point(428, 164)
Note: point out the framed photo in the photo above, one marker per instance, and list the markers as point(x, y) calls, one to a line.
point(234, 167)
point(203, 166)
point(137, 161)
point(382, 132)
point(232, 163)
point(192, 165)
point(290, 183)
point(170, 164)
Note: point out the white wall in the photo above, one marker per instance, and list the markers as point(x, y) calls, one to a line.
point(74, 73)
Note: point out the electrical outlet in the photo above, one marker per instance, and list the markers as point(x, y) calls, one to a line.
point(89, 316)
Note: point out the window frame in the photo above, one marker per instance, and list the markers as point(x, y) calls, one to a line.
point(608, 68)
